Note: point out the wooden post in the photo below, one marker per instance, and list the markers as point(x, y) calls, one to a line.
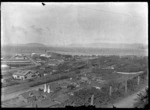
point(147, 74)
point(87, 62)
point(126, 84)
point(138, 80)
point(92, 99)
point(110, 90)
point(32, 104)
point(36, 106)
point(73, 104)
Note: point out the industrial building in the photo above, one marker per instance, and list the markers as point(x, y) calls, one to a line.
point(27, 74)
point(19, 56)
point(4, 66)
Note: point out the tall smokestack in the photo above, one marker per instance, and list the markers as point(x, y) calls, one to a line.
point(48, 90)
point(44, 87)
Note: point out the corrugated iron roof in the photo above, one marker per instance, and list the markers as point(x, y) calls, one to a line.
point(22, 73)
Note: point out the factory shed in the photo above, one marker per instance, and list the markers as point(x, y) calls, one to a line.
point(27, 74)
point(4, 66)
point(19, 56)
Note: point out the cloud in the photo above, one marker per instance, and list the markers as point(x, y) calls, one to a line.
point(37, 29)
point(60, 24)
point(19, 29)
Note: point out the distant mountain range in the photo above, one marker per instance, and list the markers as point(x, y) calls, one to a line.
point(91, 45)
point(34, 45)
point(80, 49)
point(27, 45)
point(111, 45)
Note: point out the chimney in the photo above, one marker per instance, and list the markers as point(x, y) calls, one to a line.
point(44, 87)
point(48, 89)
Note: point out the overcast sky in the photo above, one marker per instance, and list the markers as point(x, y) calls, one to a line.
point(76, 23)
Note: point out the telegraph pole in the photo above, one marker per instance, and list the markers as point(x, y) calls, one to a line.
point(147, 74)
point(126, 82)
point(110, 90)
point(92, 99)
point(138, 80)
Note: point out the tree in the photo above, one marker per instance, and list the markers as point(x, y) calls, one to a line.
point(142, 99)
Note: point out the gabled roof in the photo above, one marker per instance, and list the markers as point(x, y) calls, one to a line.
point(22, 73)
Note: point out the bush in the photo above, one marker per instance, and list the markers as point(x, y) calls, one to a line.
point(71, 87)
point(142, 99)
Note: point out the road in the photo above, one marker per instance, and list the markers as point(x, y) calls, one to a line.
point(128, 101)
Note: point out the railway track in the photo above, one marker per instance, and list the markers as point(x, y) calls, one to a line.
point(16, 69)
point(12, 91)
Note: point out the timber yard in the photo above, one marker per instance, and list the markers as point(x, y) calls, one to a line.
point(57, 80)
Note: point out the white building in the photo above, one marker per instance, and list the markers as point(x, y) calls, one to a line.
point(45, 55)
point(4, 66)
point(28, 74)
point(19, 56)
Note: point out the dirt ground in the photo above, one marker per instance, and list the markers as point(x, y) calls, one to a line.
point(128, 101)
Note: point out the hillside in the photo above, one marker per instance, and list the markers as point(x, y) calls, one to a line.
point(34, 45)
point(110, 45)
point(25, 45)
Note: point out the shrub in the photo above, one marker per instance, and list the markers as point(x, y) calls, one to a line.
point(142, 99)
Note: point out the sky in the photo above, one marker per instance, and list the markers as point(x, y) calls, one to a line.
point(60, 24)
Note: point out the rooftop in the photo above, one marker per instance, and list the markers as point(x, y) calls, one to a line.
point(22, 73)
point(4, 66)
